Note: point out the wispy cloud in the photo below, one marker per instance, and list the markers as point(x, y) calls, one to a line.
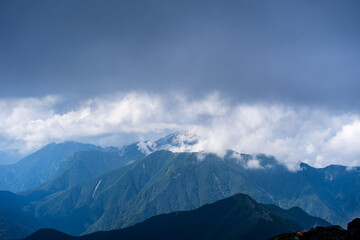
point(290, 133)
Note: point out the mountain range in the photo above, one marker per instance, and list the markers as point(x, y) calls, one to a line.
point(163, 182)
point(236, 217)
point(39, 166)
point(96, 188)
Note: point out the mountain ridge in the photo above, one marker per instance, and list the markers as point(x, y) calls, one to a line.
point(39, 166)
point(163, 181)
point(236, 217)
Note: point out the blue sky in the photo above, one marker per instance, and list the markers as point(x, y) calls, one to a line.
point(64, 64)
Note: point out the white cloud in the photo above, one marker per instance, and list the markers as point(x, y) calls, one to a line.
point(146, 147)
point(253, 164)
point(347, 139)
point(291, 134)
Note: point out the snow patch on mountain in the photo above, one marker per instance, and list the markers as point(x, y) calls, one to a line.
point(146, 147)
point(187, 141)
point(176, 142)
point(97, 185)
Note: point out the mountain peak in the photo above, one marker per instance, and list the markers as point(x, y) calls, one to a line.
point(180, 141)
point(178, 138)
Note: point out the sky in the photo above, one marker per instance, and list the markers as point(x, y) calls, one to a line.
point(279, 77)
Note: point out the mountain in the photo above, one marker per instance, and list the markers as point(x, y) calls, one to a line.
point(38, 167)
point(236, 217)
point(180, 141)
point(163, 182)
point(17, 222)
point(82, 166)
point(159, 183)
point(84, 197)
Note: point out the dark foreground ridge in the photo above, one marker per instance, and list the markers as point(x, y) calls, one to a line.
point(326, 233)
point(236, 217)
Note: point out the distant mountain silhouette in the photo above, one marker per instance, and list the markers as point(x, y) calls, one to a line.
point(84, 165)
point(14, 222)
point(236, 217)
point(39, 166)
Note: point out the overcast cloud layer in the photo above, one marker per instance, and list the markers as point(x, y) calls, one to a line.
point(298, 51)
point(279, 77)
point(291, 134)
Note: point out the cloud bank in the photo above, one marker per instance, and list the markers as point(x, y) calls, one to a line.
point(290, 133)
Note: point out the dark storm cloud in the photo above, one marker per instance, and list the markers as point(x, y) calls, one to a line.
point(297, 51)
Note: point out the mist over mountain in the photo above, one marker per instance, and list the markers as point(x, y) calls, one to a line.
point(292, 134)
point(9, 157)
point(100, 189)
point(38, 167)
point(88, 194)
point(84, 165)
point(126, 115)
